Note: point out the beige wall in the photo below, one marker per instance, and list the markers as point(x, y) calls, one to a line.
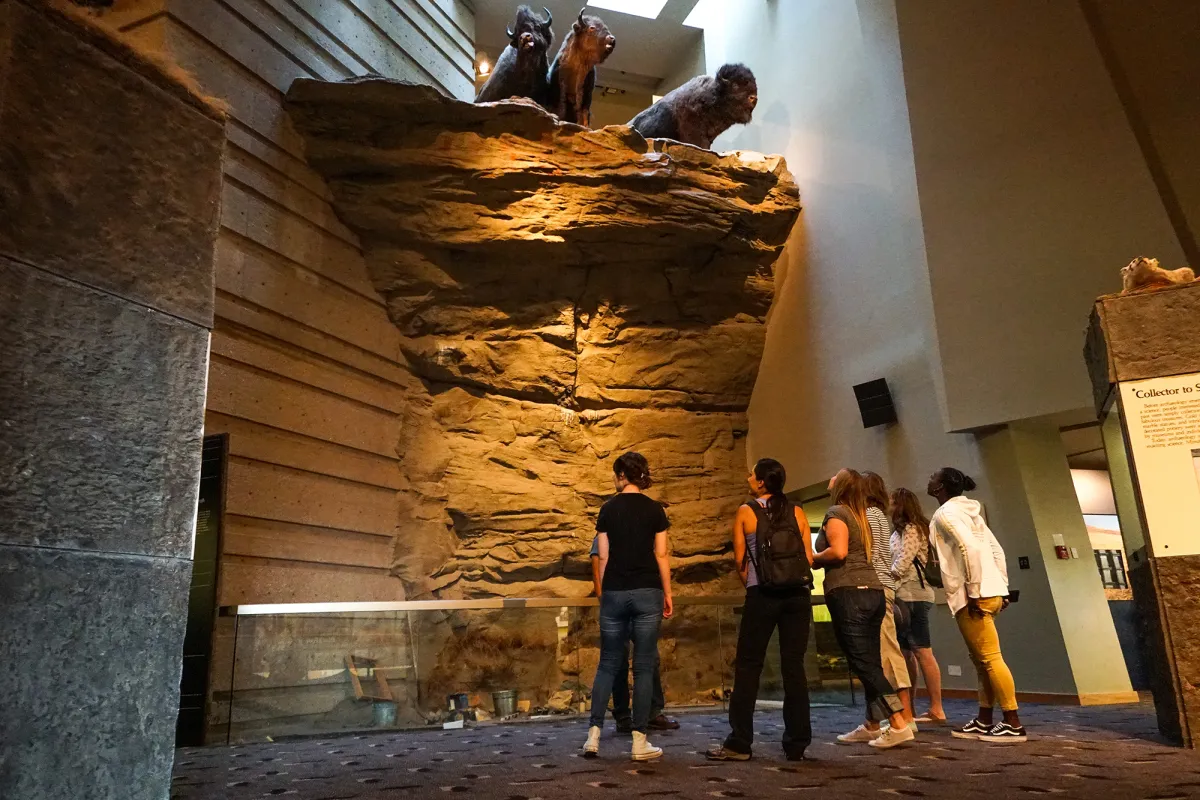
point(1033, 194)
point(1156, 70)
point(306, 366)
point(854, 299)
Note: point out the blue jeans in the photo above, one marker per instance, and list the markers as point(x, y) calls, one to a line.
point(857, 617)
point(626, 614)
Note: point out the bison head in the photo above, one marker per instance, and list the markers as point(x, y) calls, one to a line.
point(738, 92)
point(530, 34)
point(593, 38)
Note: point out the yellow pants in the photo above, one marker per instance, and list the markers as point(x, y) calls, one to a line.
point(995, 679)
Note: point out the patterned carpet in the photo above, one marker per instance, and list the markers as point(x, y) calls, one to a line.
point(1111, 753)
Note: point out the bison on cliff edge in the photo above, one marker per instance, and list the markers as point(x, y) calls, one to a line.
point(522, 67)
point(573, 73)
point(702, 109)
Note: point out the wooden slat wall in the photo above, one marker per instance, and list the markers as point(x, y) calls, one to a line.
point(306, 372)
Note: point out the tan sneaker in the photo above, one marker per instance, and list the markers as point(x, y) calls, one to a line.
point(591, 748)
point(893, 737)
point(642, 749)
point(860, 735)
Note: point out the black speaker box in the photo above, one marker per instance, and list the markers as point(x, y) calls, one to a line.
point(875, 403)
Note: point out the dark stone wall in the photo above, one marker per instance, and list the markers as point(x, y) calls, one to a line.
point(109, 193)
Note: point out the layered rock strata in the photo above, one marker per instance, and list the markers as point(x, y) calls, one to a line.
point(565, 295)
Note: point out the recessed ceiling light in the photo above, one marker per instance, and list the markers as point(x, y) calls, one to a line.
point(650, 9)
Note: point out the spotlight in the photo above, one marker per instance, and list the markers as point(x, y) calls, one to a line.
point(484, 67)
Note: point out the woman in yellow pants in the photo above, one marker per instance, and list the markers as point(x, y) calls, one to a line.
point(975, 577)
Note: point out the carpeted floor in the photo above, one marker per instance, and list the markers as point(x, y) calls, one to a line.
point(1096, 754)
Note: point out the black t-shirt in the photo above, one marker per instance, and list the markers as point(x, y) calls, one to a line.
point(631, 519)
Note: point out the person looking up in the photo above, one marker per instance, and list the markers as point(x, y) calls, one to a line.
point(895, 666)
point(620, 692)
point(911, 548)
point(635, 579)
point(857, 604)
point(975, 577)
point(773, 554)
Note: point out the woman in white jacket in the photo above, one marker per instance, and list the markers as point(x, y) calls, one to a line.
point(975, 577)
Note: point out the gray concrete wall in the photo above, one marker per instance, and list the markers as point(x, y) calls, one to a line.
point(109, 193)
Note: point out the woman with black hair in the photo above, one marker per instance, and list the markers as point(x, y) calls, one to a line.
point(975, 577)
point(635, 576)
point(775, 598)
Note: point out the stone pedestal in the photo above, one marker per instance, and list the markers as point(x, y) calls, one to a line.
point(109, 191)
point(1133, 339)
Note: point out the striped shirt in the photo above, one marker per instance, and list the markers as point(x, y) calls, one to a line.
point(881, 547)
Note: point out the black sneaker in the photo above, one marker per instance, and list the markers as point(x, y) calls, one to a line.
point(972, 730)
point(722, 753)
point(1003, 733)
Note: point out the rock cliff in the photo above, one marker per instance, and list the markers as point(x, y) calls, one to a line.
point(565, 295)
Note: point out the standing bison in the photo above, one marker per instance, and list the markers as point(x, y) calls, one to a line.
point(702, 109)
point(521, 69)
point(573, 73)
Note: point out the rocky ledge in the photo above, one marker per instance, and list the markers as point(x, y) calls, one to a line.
point(564, 295)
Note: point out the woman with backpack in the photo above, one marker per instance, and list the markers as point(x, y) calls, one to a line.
point(975, 574)
point(857, 604)
point(773, 553)
point(915, 568)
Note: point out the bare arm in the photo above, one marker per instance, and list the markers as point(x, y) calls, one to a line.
point(802, 523)
point(838, 537)
point(662, 555)
point(602, 539)
point(742, 520)
point(596, 575)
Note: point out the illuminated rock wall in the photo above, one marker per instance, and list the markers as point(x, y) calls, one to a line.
point(565, 295)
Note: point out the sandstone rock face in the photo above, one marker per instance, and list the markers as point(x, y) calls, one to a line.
point(566, 295)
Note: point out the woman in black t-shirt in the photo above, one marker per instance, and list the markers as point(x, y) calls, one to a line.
point(635, 597)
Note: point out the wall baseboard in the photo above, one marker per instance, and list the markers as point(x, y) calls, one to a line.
point(1056, 698)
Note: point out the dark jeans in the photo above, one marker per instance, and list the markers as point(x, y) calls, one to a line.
point(763, 613)
point(620, 692)
point(857, 617)
point(628, 614)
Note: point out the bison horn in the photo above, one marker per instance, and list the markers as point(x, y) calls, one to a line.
point(549, 16)
point(581, 14)
point(509, 32)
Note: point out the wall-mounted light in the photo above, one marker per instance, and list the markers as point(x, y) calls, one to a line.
point(484, 67)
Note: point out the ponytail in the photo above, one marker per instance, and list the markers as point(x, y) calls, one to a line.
point(774, 477)
point(955, 481)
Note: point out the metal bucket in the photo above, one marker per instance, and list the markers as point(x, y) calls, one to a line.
point(383, 714)
point(505, 702)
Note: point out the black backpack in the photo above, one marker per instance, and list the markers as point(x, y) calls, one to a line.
point(780, 560)
point(929, 572)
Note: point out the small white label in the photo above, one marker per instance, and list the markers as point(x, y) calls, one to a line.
point(955, 670)
point(452, 726)
point(1074, 552)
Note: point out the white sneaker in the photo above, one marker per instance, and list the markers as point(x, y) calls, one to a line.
point(860, 735)
point(892, 737)
point(591, 748)
point(642, 749)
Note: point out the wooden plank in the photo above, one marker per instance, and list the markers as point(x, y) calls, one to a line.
point(269, 355)
point(424, 48)
point(267, 152)
point(460, 17)
point(243, 392)
point(255, 580)
point(249, 536)
point(242, 312)
point(247, 169)
point(291, 39)
point(275, 228)
point(311, 26)
point(268, 491)
point(269, 281)
point(253, 101)
point(265, 443)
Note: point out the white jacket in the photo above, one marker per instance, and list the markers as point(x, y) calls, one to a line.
point(973, 563)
